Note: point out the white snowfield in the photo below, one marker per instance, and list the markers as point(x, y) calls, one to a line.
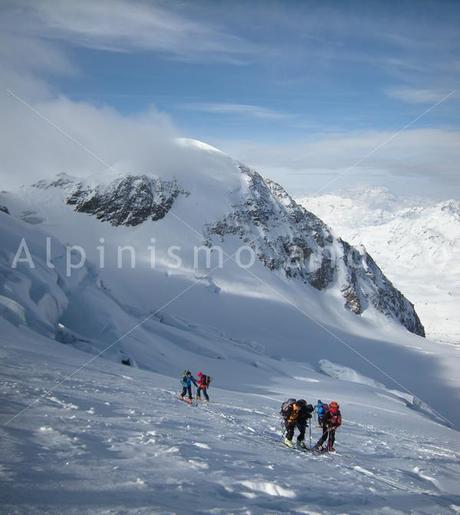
point(82, 433)
point(416, 242)
point(115, 439)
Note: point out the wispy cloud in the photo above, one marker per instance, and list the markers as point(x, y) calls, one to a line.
point(415, 155)
point(307, 58)
point(39, 139)
point(419, 96)
point(247, 110)
point(125, 26)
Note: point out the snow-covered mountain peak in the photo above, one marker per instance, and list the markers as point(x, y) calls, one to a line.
point(195, 143)
point(377, 197)
point(234, 201)
point(307, 295)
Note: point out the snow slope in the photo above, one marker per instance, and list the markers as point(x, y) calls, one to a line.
point(82, 433)
point(108, 438)
point(166, 318)
point(416, 242)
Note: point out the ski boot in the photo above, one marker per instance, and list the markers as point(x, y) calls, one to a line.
point(288, 443)
point(301, 445)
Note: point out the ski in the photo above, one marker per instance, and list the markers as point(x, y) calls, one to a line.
point(295, 448)
point(319, 451)
point(312, 450)
point(187, 401)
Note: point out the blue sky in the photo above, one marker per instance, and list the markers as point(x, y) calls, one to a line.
point(307, 68)
point(262, 79)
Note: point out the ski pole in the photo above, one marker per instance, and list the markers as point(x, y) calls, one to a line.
point(309, 430)
point(282, 427)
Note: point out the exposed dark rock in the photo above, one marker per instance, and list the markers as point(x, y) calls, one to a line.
point(62, 180)
point(129, 200)
point(263, 221)
point(284, 236)
point(287, 237)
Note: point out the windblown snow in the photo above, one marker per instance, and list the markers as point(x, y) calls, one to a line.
point(82, 432)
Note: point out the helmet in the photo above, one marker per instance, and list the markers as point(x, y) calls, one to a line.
point(320, 401)
point(200, 374)
point(302, 402)
point(188, 373)
point(334, 405)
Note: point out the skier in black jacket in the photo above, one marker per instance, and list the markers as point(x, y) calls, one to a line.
point(296, 415)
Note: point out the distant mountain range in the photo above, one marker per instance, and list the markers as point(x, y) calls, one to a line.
point(416, 242)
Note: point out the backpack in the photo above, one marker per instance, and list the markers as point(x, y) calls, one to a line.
point(206, 380)
point(286, 407)
point(302, 411)
point(335, 418)
point(322, 410)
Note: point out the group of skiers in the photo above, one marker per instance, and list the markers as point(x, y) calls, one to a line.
point(201, 383)
point(297, 413)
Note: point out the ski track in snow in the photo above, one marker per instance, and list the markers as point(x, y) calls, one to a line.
point(103, 443)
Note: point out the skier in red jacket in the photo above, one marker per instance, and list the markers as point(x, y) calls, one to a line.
point(203, 385)
point(331, 421)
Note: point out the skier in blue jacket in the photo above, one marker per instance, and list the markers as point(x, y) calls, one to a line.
point(320, 409)
point(186, 382)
